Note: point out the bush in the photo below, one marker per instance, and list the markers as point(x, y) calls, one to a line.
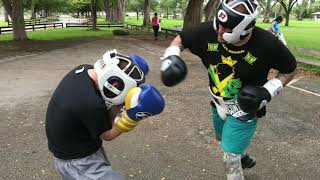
point(120, 32)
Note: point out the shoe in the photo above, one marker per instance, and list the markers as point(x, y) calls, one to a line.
point(248, 161)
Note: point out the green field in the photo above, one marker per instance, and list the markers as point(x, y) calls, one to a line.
point(301, 36)
point(63, 33)
point(3, 24)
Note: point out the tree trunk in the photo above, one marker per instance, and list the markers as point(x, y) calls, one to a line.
point(287, 18)
point(146, 12)
point(94, 14)
point(106, 8)
point(19, 31)
point(193, 13)
point(210, 10)
point(6, 16)
point(167, 13)
point(33, 13)
point(266, 15)
point(7, 6)
point(119, 13)
point(137, 16)
point(279, 10)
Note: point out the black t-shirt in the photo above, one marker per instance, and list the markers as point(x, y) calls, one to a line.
point(231, 67)
point(76, 116)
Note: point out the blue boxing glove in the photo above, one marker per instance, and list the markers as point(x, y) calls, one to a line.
point(140, 103)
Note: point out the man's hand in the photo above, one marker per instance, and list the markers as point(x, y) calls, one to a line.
point(173, 69)
point(140, 103)
point(252, 98)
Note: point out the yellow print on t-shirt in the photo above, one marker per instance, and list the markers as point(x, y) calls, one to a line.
point(222, 78)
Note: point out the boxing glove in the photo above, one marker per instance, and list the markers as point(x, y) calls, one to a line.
point(173, 69)
point(252, 98)
point(140, 103)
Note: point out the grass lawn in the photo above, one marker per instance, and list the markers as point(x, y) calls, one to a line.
point(3, 23)
point(63, 33)
point(300, 35)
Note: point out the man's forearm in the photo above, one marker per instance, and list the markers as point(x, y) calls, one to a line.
point(177, 42)
point(110, 134)
point(285, 78)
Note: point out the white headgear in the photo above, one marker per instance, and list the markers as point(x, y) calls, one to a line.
point(114, 81)
point(240, 23)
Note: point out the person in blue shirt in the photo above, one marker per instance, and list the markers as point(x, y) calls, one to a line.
point(275, 28)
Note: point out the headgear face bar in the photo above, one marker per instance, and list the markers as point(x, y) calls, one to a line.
point(241, 23)
point(117, 74)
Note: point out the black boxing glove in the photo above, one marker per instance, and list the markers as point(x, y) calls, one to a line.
point(173, 69)
point(252, 98)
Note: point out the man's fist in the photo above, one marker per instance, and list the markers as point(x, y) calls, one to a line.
point(252, 98)
point(173, 70)
point(141, 102)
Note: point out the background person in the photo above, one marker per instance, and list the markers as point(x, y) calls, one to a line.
point(155, 25)
point(238, 56)
point(83, 111)
point(275, 29)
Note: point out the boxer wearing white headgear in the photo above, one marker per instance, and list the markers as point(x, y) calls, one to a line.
point(77, 118)
point(117, 74)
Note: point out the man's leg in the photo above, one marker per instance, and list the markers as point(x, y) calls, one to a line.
point(217, 122)
point(156, 32)
point(94, 166)
point(236, 137)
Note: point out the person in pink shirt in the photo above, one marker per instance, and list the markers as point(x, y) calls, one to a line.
point(155, 25)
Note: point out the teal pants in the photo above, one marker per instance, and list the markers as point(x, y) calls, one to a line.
point(235, 135)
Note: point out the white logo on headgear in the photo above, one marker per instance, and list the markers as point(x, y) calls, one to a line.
point(222, 15)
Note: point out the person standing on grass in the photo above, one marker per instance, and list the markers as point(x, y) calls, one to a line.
point(238, 57)
point(155, 25)
point(275, 29)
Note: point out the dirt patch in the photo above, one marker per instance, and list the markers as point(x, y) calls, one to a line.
point(178, 144)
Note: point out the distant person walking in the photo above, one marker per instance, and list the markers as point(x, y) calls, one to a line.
point(275, 29)
point(155, 25)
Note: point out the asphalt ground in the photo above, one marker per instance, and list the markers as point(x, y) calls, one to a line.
point(178, 144)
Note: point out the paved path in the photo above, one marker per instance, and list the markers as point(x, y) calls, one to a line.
point(178, 144)
point(309, 61)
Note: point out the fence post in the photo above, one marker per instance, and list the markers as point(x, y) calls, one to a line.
point(45, 26)
point(0, 30)
point(32, 27)
point(54, 25)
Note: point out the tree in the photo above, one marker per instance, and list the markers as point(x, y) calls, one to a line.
point(15, 10)
point(193, 13)
point(6, 16)
point(267, 7)
point(301, 8)
point(209, 9)
point(115, 10)
point(287, 8)
point(94, 14)
point(136, 6)
point(33, 6)
point(146, 11)
point(167, 6)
